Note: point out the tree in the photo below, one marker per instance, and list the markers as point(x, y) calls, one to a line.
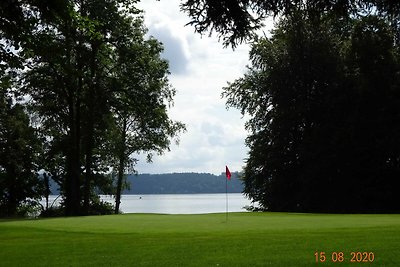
point(55, 85)
point(18, 18)
point(20, 142)
point(236, 21)
point(141, 96)
point(372, 60)
point(19, 149)
point(78, 83)
point(310, 107)
point(66, 84)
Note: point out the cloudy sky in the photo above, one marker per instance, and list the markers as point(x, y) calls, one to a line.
point(200, 67)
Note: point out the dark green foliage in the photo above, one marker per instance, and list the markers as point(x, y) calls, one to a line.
point(54, 211)
point(323, 96)
point(99, 207)
point(85, 68)
point(19, 148)
point(323, 100)
point(236, 21)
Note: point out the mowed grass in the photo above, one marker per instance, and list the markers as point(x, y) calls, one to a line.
point(246, 239)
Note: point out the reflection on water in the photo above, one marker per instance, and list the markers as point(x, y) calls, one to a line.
point(177, 203)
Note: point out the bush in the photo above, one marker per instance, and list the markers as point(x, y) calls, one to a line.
point(29, 209)
point(100, 207)
point(53, 211)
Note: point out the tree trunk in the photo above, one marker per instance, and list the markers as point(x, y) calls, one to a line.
point(88, 150)
point(72, 203)
point(91, 110)
point(11, 198)
point(89, 171)
point(121, 166)
point(46, 189)
point(72, 187)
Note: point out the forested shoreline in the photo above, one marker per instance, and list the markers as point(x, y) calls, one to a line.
point(177, 183)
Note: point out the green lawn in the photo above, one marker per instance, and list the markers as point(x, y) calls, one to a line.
point(247, 239)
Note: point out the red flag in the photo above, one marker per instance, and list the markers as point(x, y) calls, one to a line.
point(228, 173)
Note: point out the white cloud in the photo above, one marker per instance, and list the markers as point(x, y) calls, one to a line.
point(200, 67)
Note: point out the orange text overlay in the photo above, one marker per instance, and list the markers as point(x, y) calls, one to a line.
point(338, 256)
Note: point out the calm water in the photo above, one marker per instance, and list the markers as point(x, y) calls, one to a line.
point(178, 203)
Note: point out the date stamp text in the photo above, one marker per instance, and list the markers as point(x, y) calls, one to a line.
point(339, 256)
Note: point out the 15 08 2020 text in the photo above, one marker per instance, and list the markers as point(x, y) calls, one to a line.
point(339, 256)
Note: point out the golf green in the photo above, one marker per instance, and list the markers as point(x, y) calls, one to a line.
point(244, 239)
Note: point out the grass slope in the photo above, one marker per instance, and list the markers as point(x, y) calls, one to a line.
point(247, 239)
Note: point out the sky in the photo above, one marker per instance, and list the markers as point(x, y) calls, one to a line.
point(200, 67)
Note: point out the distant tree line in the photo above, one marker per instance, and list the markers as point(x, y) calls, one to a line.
point(323, 96)
point(81, 90)
point(184, 183)
point(178, 183)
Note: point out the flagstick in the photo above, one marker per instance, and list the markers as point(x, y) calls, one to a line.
point(226, 193)
point(228, 177)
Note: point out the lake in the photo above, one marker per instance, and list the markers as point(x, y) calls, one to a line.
point(178, 203)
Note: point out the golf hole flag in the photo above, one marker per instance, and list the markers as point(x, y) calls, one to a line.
point(228, 173)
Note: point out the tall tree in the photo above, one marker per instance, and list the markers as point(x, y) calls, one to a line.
point(142, 95)
point(17, 21)
point(66, 84)
point(55, 85)
point(19, 149)
point(311, 106)
point(372, 61)
point(75, 61)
